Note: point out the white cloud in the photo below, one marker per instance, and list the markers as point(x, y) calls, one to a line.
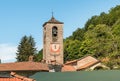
point(7, 53)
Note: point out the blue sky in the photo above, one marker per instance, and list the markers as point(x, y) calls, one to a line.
point(26, 17)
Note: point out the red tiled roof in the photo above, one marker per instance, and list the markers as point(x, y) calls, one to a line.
point(83, 62)
point(87, 62)
point(87, 65)
point(69, 62)
point(10, 79)
point(24, 66)
point(21, 77)
point(16, 78)
point(68, 68)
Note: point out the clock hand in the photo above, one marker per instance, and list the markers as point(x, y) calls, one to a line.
point(55, 46)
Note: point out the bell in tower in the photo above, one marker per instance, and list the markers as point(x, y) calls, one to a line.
point(53, 41)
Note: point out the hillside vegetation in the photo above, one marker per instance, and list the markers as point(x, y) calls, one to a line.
point(99, 38)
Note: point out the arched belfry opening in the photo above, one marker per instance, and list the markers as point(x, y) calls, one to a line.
point(54, 34)
point(54, 31)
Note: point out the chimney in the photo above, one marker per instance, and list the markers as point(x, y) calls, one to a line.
point(0, 61)
point(31, 58)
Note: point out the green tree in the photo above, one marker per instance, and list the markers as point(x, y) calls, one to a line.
point(107, 19)
point(97, 41)
point(93, 21)
point(100, 38)
point(39, 56)
point(77, 35)
point(71, 50)
point(25, 48)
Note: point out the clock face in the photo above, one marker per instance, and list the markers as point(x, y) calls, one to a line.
point(55, 48)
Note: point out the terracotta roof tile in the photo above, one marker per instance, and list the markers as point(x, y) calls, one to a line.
point(10, 79)
point(21, 77)
point(69, 62)
point(24, 66)
point(68, 68)
point(86, 62)
point(16, 78)
point(87, 65)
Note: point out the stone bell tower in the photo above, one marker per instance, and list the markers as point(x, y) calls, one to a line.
point(53, 41)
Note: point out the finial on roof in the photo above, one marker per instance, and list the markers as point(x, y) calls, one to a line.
point(52, 13)
point(53, 20)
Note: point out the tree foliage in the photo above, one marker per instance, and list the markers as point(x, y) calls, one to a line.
point(77, 35)
point(99, 38)
point(71, 50)
point(26, 48)
point(39, 56)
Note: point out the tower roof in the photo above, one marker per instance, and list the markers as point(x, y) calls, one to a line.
point(53, 21)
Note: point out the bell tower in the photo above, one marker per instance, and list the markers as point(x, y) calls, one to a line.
point(53, 41)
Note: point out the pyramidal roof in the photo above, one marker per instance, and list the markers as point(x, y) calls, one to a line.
point(53, 21)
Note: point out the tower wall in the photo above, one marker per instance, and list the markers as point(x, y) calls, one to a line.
point(48, 41)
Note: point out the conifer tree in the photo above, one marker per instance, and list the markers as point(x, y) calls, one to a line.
point(26, 48)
